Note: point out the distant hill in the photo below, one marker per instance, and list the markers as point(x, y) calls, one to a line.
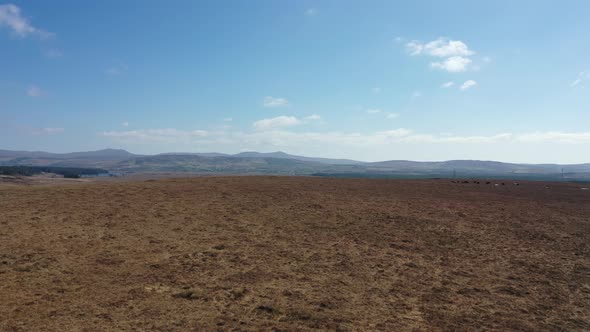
point(281, 163)
point(101, 154)
point(18, 154)
point(101, 158)
point(283, 155)
point(277, 155)
point(475, 166)
point(202, 154)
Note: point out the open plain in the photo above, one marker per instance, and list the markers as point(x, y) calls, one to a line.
point(294, 254)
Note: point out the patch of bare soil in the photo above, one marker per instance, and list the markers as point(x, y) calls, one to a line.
point(294, 253)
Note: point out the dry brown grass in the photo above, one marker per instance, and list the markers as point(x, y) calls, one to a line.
point(280, 253)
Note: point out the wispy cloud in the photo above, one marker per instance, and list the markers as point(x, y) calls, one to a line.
point(228, 119)
point(53, 53)
point(12, 18)
point(576, 82)
point(276, 122)
point(116, 70)
point(311, 12)
point(555, 137)
point(468, 85)
point(273, 137)
point(35, 91)
point(272, 102)
point(373, 110)
point(375, 139)
point(448, 84)
point(166, 135)
point(125, 124)
point(376, 91)
point(581, 78)
point(48, 131)
point(313, 117)
point(380, 112)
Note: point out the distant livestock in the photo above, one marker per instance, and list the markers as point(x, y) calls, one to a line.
point(488, 183)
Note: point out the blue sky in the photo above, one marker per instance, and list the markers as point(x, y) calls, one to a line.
point(367, 80)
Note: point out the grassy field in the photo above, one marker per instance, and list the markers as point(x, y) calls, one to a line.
point(294, 253)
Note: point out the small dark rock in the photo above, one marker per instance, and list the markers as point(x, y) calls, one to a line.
point(188, 295)
point(267, 309)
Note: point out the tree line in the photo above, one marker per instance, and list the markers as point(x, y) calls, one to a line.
point(67, 172)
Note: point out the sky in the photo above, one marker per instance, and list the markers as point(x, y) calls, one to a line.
point(366, 80)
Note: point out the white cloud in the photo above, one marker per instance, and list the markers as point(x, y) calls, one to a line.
point(414, 47)
point(228, 119)
point(454, 64)
point(312, 117)
point(555, 137)
point(48, 131)
point(576, 82)
point(116, 70)
point(416, 94)
point(399, 135)
point(35, 91)
point(277, 122)
point(456, 52)
point(125, 124)
point(274, 102)
point(11, 17)
point(166, 135)
point(468, 85)
point(427, 138)
point(401, 132)
point(199, 133)
point(582, 76)
point(397, 143)
point(51, 131)
point(380, 111)
point(448, 84)
point(311, 12)
point(441, 47)
point(53, 53)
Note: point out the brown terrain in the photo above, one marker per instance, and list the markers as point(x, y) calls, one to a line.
point(294, 254)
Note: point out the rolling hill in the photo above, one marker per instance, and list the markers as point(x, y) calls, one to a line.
point(280, 163)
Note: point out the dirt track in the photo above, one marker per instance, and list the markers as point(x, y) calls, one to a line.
point(264, 253)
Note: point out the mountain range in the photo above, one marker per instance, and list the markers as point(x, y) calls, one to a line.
point(280, 163)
